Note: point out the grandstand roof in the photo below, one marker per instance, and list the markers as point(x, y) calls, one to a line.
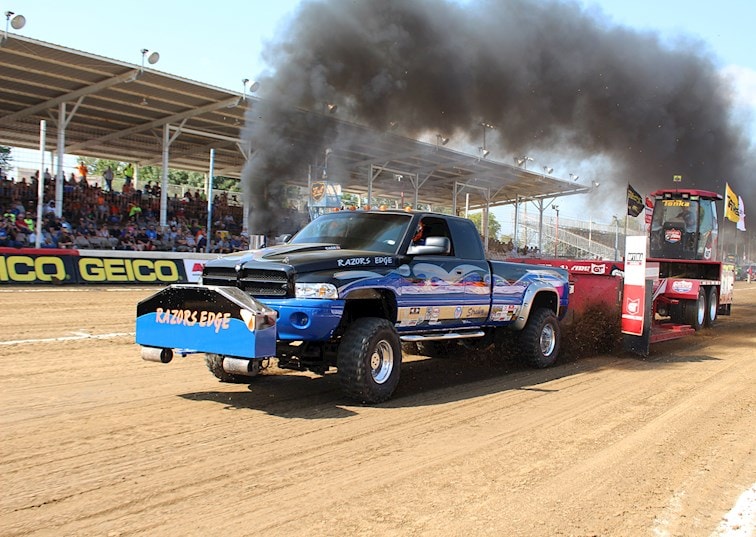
point(118, 110)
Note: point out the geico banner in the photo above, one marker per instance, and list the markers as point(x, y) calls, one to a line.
point(123, 270)
point(33, 268)
point(22, 268)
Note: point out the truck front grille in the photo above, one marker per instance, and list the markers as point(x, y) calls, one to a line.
point(254, 282)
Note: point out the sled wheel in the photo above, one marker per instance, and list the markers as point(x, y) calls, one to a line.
point(695, 311)
point(369, 359)
point(539, 340)
point(712, 306)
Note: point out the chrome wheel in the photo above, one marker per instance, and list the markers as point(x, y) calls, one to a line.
point(547, 340)
point(382, 362)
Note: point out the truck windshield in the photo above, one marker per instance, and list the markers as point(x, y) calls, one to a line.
point(683, 213)
point(376, 232)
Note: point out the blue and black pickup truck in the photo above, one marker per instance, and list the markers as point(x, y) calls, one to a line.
point(346, 291)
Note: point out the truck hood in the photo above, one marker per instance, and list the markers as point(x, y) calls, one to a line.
point(306, 258)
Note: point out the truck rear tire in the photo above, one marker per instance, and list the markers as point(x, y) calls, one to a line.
point(539, 341)
point(214, 363)
point(712, 306)
point(369, 360)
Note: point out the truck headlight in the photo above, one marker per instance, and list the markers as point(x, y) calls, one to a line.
point(315, 290)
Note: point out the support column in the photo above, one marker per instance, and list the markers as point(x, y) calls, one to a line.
point(60, 176)
point(370, 186)
point(540, 227)
point(164, 180)
point(517, 223)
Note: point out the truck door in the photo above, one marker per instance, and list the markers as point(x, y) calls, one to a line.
point(447, 290)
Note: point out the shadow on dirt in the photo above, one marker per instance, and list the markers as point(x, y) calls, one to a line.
point(589, 347)
point(424, 382)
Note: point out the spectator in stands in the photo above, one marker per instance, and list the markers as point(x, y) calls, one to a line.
point(134, 211)
point(66, 225)
point(47, 241)
point(128, 173)
point(30, 222)
point(83, 170)
point(143, 242)
point(107, 175)
point(5, 232)
point(190, 242)
point(20, 238)
point(49, 208)
point(81, 242)
point(127, 241)
point(235, 243)
point(201, 241)
point(101, 210)
point(185, 241)
point(64, 239)
point(103, 238)
point(220, 245)
point(169, 238)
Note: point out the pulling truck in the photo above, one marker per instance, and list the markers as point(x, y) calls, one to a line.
point(344, 293)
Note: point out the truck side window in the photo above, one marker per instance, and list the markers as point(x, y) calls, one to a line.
point(431, 227)
point(465, 240)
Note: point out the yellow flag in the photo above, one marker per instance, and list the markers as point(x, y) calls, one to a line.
point(731, 204)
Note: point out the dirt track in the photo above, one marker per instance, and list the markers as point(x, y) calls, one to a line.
point(97, 442)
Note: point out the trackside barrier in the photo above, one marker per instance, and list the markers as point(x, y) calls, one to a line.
point(20, 266)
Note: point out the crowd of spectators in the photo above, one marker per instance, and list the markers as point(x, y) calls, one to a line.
point(100, 218)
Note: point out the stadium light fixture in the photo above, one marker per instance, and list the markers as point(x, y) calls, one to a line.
point(152, 57)
point(13, 21)
point(523, 161)
point(331, 107)
point(547, 170)
point(249, 86)
point(441, 140)
point(574, 177)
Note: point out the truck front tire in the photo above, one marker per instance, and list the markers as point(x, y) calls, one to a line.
point(539, 341)
point(369, 360)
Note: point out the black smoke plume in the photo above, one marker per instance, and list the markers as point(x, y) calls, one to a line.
point(550, 75)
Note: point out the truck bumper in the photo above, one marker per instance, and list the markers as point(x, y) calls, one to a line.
point(205, 318)
point(311, 319)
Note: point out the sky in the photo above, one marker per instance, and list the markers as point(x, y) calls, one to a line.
point(224, 42)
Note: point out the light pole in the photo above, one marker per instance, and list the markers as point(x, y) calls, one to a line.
point(556, 231)
point(328, 151)
point(616, 237)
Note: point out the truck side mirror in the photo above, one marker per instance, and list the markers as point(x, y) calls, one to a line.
point(432, 246)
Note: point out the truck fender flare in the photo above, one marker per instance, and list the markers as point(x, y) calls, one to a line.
point(529, 298)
